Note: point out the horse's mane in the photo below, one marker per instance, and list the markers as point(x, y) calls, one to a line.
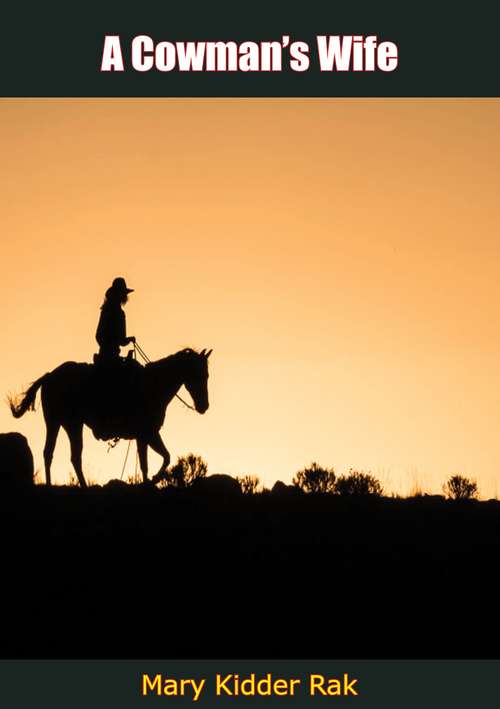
point(173, 358)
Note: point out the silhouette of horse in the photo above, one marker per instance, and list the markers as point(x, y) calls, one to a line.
point(75, 394)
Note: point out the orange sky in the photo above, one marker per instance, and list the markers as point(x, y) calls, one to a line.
point(340, 256)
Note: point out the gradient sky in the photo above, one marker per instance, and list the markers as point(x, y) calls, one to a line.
point(340, 256)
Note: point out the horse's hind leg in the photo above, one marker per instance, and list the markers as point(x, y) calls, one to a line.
point(142, 449)
point(75, 435)
point(50, 444)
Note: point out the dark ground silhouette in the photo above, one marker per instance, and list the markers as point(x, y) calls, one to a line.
point(141, 572)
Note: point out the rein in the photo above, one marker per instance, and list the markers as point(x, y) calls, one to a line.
point(138, 349)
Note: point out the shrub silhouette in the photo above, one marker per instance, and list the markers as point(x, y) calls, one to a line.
point(248, 484)
point(186, 471)
point(315, 479)
point(460, 488)
point(358, 484)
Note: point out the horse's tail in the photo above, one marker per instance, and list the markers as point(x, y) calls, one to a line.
point(19, 408)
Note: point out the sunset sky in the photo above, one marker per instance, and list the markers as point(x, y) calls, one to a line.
point(341, 257)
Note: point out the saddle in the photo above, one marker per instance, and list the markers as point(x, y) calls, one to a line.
point(116, 394)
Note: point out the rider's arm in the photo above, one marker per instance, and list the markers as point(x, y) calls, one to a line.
point(123, 339)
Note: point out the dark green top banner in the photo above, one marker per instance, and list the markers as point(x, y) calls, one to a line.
point(206, 49)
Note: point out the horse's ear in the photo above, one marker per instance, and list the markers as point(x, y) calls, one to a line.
point(208, 353)
point(203, 352)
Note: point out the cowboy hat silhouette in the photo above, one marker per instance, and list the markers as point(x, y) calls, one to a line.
point(119, 287)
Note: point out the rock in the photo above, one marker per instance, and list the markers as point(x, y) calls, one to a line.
point(116, 484)
point(280, 488)
point(16, 461)
point(217, 485)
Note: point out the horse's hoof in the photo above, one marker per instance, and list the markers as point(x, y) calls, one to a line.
point(161, 475)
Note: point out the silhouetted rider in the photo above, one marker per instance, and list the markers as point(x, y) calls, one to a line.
point(111, 331)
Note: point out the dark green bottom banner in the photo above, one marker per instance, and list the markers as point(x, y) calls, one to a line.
point(381, 684)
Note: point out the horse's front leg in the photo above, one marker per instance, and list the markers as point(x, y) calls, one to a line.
point(159, 447)
point(142, 449)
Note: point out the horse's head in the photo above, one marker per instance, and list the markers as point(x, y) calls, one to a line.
point(196, 377)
